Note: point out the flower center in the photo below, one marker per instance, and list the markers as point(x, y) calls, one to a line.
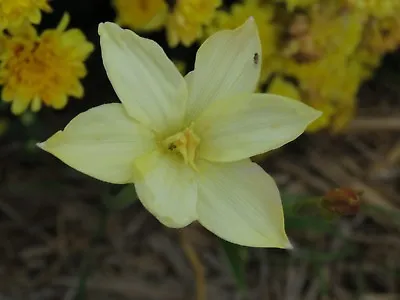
point(183, 143)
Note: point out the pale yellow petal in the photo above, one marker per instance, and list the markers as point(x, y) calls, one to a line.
point(189, 80)
point(102, 142)
point(145, 80)
point(240, 127)
point(166, 187)
point(226, 64)
point(240, 203)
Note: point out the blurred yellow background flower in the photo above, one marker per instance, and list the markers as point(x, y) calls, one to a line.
point(46, 68)
point(185, 24)
point(292, 4)
point(15, 12)
point(379, 8)
point(282, 87)
point(141, 15)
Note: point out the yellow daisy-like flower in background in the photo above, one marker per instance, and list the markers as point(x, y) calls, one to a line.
point(2, 42)
point(282, 87)
point(323, 59)
point(14, 12)
point(285, 88)
point(43, 69)
point(262, 14)
point(377, 8)
point(292, 4)
point(329, 84)
point(335, 31)
point(141, 14)
point(383, 35)
point(326, 30)
point(185, 24)
point(185, 142)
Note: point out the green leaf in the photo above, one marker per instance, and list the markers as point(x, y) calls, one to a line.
point(125, 197)
point(303, 212)
point(235, 255)
point(299, 204)
point(312, 223)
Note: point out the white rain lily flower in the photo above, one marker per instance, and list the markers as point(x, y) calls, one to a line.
point(185, 142)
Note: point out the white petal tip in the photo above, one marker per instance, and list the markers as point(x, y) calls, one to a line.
point(104, 27)
point(100, 29)
point(41, 145)
point(315, 114)
point(288, 246)
point(250, 23)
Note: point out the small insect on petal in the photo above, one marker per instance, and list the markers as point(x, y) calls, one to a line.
point(342, 201)
point(256, 58)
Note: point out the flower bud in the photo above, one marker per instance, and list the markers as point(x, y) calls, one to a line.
point(342, 201)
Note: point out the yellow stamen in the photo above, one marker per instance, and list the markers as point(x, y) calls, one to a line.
point(185, 143)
